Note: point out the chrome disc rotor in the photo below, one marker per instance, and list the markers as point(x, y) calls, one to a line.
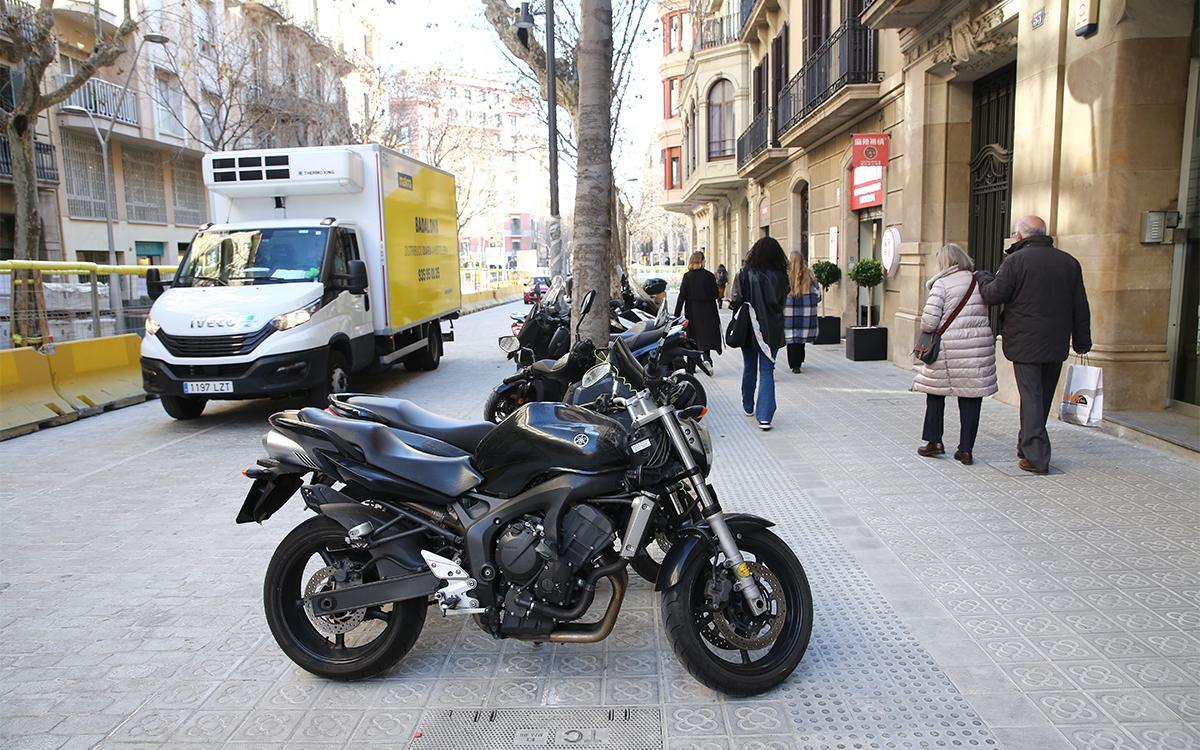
point(751, 632)
point(343, 622)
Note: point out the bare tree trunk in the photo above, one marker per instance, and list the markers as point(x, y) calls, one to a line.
point(591, 258)
point(27, 326)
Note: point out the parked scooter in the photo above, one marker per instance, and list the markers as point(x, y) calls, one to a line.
point(515, 524)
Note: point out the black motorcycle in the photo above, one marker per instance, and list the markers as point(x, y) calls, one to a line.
point(517, 524)
point(544, 331)
point(558, 379)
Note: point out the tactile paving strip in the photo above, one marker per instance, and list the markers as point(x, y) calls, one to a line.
point(541, 728)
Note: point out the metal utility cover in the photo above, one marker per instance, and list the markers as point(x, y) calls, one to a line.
point(542, 728)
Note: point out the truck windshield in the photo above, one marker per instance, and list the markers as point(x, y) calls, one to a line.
point(253, 256)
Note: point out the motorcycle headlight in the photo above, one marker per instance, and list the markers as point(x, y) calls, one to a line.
point(296, 317)
point(152, 326)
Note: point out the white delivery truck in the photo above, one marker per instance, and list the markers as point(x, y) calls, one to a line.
point(321, 262)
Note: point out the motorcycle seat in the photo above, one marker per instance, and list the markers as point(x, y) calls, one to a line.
point(382, 447)
point(641, 339)
point(406, 415)
point(550, 366)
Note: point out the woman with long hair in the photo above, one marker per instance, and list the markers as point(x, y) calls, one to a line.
point(762, 283)
point(698, 297)
point(800, 311)
point(966, 362)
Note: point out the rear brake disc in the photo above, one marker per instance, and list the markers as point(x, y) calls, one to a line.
point(342, 622)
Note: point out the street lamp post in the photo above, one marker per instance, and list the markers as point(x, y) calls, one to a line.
point(114, 289)
point(554, 227)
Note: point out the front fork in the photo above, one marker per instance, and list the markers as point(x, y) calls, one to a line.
point(709, 507)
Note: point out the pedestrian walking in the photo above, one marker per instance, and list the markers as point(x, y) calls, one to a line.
point(762, 283)
point(1045, 315)
point(800, 310)
point(698, 296)
point(966, 362)
point(722, 282)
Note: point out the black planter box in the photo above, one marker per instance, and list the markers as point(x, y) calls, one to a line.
point(865, 343)
point(829, 329)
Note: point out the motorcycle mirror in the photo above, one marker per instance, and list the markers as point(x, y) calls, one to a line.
point(586, 304)
point(594, 375)
point(525, 357)
point(509, 344)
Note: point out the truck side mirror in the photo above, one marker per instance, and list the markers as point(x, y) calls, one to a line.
point(358, 277)
point(154, 283)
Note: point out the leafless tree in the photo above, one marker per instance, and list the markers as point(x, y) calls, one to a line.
point(595, 215)
point(27, 39)
point(378, 122)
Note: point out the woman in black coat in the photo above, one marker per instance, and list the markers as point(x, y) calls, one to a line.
point(763, 285)
point(698, 296)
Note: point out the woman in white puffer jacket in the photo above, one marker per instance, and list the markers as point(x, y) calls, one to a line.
point(966, 363)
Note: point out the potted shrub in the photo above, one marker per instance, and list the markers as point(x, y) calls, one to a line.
point(829, 327)
point(867, 342)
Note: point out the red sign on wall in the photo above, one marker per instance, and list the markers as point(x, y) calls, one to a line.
point(868, 157)
point(868, 150)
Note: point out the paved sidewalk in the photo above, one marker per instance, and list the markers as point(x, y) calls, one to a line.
point(956, 607)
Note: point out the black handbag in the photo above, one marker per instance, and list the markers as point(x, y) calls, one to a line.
point(929, 343)
point(738, 333)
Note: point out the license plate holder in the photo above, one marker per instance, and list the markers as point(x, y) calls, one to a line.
point(204, 387)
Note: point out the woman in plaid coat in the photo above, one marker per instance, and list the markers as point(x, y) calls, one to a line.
point(800, 310)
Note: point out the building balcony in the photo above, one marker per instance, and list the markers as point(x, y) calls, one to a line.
point(83, 13)
point(103, 99)
point(712, 179)
point(897, 14)
point(836, 84)
point(753, 14)
point(45, 166)
point(714, 32)
point(758, 151)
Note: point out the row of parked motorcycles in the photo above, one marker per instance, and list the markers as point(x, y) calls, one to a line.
point(592, 460)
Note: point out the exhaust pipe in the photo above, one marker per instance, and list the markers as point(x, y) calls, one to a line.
point(589, 632)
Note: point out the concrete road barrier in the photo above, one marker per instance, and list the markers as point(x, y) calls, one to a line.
point(100, 373)
point(27, 396)
point(475, 301)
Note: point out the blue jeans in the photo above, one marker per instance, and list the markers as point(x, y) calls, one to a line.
point(756, 366)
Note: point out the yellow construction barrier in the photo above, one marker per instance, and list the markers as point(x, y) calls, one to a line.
point(27, 395)
point(93, 374)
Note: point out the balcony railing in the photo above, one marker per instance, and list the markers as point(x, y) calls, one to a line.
point(104, 99)
point(746, 10)
point(754, 139)
point(850, 55)
point(717, 31)
point(44, 165)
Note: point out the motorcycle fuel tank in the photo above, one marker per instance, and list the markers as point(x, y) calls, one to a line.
point(542, 436)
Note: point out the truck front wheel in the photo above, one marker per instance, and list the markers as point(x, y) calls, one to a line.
point(336, 380)
point(183, 407)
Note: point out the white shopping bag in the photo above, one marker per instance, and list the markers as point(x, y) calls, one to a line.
point(1083, 396)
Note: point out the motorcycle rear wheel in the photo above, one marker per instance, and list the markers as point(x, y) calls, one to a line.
point(296, 630)
point(498, 406)
point(696, 638)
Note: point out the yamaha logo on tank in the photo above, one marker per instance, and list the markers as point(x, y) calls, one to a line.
point(581, 440)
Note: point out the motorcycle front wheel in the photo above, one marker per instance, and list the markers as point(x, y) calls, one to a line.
point(346, 646)
point(498, 406)
point(727, 648)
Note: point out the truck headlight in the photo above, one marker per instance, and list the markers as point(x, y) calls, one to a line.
point(152, 326)
point(296, 317)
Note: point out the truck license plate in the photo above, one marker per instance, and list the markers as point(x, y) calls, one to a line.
point(208, 386)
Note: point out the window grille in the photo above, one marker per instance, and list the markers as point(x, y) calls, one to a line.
point(188, 192)
point(145, 193)
point(84, 170)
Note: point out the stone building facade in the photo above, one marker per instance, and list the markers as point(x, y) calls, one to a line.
point(993, 109)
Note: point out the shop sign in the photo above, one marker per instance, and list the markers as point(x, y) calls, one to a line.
point(868, 150)
point(889, 251)
point(866, 187)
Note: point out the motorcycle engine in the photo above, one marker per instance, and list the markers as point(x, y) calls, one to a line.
point(530, 564)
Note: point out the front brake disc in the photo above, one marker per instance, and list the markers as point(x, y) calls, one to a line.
point(342, 622)
point(734, 632)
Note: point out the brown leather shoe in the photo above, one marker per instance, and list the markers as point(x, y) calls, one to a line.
point(931, 449)
point(964, 457)
point(1026, 466)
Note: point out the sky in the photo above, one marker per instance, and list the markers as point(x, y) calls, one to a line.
point(454, 34)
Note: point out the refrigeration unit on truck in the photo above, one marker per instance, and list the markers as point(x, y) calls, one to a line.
point(320, 263)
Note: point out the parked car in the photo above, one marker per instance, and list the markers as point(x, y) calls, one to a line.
point(537, 287)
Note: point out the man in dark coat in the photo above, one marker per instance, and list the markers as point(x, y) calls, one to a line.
point(1045, 314)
